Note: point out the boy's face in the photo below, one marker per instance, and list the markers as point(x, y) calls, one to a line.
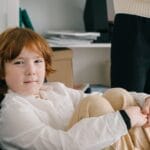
point(26, 73)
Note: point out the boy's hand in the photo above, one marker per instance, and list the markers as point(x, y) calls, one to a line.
point(136, 116)
point(146, 111)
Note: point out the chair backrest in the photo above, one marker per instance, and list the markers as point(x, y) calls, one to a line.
point(2, 87)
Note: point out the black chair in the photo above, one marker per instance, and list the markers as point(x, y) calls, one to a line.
point(2, 87)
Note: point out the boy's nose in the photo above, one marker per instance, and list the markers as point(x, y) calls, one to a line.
point(30, 69)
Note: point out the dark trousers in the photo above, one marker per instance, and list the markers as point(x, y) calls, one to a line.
point(130, 53)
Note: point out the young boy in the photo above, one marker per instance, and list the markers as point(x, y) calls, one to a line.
point(51, 116)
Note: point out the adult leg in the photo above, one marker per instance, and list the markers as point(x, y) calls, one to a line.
point(147, 86)
point(146, 50)
point(127, 70)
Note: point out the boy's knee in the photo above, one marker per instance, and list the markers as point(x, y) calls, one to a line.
point(90, 106)
point(116, 91)
point(119, 98)
point(96, 105)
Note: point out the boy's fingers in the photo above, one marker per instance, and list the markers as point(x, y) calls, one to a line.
point(146, 106)
point(145, 110)
point(147, 124)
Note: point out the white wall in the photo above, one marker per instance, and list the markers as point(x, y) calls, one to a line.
point(2, 14)
point(9, 14)
point(55, 14)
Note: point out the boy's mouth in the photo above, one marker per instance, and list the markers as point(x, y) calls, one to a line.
point(31, 81)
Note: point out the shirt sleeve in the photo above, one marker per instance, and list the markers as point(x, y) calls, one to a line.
point(139, 97)
point(21, 128)
point(75, 95)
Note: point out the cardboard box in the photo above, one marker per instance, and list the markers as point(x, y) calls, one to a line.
point(62, 63)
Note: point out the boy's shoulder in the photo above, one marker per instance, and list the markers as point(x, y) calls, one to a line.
point(52, 85)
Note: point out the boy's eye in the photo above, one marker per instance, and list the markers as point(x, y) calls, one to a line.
point(38, 61)
point(19, 62)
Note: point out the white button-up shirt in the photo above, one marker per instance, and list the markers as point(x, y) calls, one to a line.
point(39, 124)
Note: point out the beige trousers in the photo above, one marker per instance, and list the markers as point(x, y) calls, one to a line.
point(138, 138)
